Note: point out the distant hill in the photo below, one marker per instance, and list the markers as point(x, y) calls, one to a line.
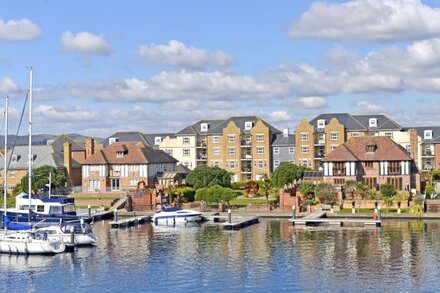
point(41, 139)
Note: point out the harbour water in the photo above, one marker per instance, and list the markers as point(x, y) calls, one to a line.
point(271, 256)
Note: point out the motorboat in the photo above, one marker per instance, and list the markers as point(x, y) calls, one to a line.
point(82, 233)
point(29, 242)
point(173, 215)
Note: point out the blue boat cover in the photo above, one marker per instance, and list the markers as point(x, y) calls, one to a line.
point(14, 226)
point(172, 209)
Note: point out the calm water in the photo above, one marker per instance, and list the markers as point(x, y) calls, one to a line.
point(272, 256)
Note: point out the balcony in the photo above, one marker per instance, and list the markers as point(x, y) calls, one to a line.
point(428, 154)
point(319, 156)
point(246, 157)
point(201, 144)
point(203, 157)
point(427, 167)
point(246, 144)
point(319, 142)
point(246, 170)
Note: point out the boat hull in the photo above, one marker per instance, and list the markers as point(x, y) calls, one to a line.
point(21, 217)
point(11, 244)
point(170, 219)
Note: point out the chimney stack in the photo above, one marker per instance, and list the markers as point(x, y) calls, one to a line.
point(68, 159)
point(90, 147)
point(286, 132)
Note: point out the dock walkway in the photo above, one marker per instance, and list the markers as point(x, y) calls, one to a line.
point(318, 218)
point(130, 222)
point(240, 222)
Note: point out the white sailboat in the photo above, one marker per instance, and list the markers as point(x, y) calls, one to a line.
point(26, 242)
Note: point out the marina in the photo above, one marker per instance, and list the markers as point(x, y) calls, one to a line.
point(319, 218)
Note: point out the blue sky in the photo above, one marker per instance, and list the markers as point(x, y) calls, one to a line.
point(157, 66)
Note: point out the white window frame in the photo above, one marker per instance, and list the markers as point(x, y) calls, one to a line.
point(232, 151)
point(304, 136)
point(169, 151)
point(248, 125)
point(372, 122)
point(321, 123)
point(204, 127)
point(259, 137)
point(186, 152)
point(186, 140)
point(427, 134)
point(216, 151)
point(291, 150)
point(305, 162)
point(119, 154)
point(157, 140)
point(389, 135)
point(334, 135)
point(232, 165)
point(355, 134)
point(305, 149)
point(276, 163)
point(260, 150)
point(216, 139)
point(276, 150)
point(231, 138)
point(260, 164)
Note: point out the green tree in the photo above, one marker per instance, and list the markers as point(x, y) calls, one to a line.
point(215, 193)
point(387, 190)
point(307, 188)
point(325, 192)
point(40, 178)
point(286, 173)
point(266, 185)
point(205, 176)
point(350, 186)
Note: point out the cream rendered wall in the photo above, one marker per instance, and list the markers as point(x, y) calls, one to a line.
point(176, 145)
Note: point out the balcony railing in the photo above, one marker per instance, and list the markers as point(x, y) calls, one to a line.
point(201, 144)
point(202, 158)
point(246, 157)
point(246, 170)
point(428, 154)
point(319, 141)
point(246, 143)
point(427, 167)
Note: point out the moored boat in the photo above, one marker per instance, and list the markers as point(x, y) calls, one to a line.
point(172, 215)
point(82, 233)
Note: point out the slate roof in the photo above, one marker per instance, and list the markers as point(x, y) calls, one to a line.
point(126, 136)
point(240, 122)
point(280, 140)
point(195, 128)
point(149, 137)
point(58, 143)
point(359, 122)
point(135, 153)
point(421, 133)
point(355, 150)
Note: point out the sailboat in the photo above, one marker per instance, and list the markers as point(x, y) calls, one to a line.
point(27, 242)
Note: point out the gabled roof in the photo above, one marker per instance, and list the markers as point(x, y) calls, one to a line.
point(195, 128)
point(383, 122)
point(240, 122)
point(281, 140)
point(421, 133)
point(134, 153)
point(359, 122)
point(355, 150)
point(150, 137)
point(58, 144)
point(126, 136)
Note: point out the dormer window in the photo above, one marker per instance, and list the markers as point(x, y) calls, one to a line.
point(204, 127)
point(113, 140)
point(321, 123)
point(370, 148)
point(248, 125)
point(14, 158)
point(372, 122)
point(119, 154)
point(427, 134)
point(157, 140)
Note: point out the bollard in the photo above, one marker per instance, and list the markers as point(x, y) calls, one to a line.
point(72, 236)
point(293, 212)
point(379, 210)
point(229, 216)
point(89, 209)
point(134, 214)
point(116, 215)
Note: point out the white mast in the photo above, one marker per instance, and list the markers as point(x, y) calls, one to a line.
point(5, 169)
point(50, 182)
point(30, 146)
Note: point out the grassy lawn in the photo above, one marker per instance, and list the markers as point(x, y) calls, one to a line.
point(371, 211)
point(96, 198)
point(244, 201)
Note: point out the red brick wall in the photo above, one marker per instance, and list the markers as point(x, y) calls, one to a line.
point(288, 198)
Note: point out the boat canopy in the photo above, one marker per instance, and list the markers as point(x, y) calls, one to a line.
point(14, 226)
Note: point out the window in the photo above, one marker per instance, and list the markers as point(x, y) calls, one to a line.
point(291, 150)
point(394, 168)
point(338, 168)
point(396, 182)
point(119, 154)
point(276, 163)
point(304, 150)
point(186, 152)
point(187, 164)
point(334, 135)
point(186, 140)
point(216, 163)
point(115, 185)
point(389, 135)
point(321, 136)
point(371, 148)
point(372, 122)
point(304, 136)
point(260, 150)
point(259, 137)
point(216, 139)
point(157, 140)
point(204, 127)
point(113, 140)
point(427, 134)
point(333, 147)
point(94, 185)
point(408, 148)
point(248, 125)
point(305, 163)
point(355, 134)
point(276, 150)
point(321, 123)
point(40, 208)
point(232, 151)
point(169, 151)
point(260, 164)
point(14, 158)
point(133, 182)
point(231, 138)
point(216, 151)
point(11, 174)
point(368, 165)
point(371, 182)
point(339, 181)
point(232, 165)
point(11, 186)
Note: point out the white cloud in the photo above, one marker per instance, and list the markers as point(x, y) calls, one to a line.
point(368, 20)
point(72, 114)
point(18, 30)
point(367, 107)
point(182, 105)
point(312, 102)
point(84, 42)
point(278, 116)
point(179, 55)
point(7, 86)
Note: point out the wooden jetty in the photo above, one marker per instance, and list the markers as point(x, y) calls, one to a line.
point(318, 218)
point(130, 222)
point(240, 222)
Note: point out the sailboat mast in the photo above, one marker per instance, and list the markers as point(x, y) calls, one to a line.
point(30, 146)
point(5, 163)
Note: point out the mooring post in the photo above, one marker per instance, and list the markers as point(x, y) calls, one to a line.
point(229, 216)
point(89, 209)
point(379, 211)
point(293, 212)
point(116, 215)
point(72, 236)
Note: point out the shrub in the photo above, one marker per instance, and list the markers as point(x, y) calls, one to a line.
point(239, 185)
point(307, 188)
point(325, 192)
point(387, 190)
point(188, 193)
point(416, 210)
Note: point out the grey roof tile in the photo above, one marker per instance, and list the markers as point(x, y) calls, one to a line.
point(280, 140)
point(195, 128)
point(240, 122)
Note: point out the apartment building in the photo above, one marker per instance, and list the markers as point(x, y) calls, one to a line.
point(242, 146)
point(283, 149)
point(425, 147)
point(320, 136)
point(188, 146)
point(373, 159)
point(152, 140)
point(121, 165)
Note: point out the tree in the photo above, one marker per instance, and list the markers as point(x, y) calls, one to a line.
point(387, 190)
point(325, 192)
point(266, 185)
point(307, 188)
point(205, 176)
point(350, 186)
point(40, 178)
point(286, 173)
point(215, 193)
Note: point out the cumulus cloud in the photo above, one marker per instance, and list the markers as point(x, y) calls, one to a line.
point(18, 30)
point(368, 20)
point(179, 55)
point(85, 42)
point(312, 102)
point(278, 116)
point(367, 107)
point(7, 86)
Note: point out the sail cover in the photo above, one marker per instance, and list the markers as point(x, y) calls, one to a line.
point(14, 226)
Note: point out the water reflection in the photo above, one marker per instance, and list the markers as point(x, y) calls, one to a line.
point(270, 256)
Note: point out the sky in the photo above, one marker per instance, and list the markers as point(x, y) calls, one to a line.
point(158, 66)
